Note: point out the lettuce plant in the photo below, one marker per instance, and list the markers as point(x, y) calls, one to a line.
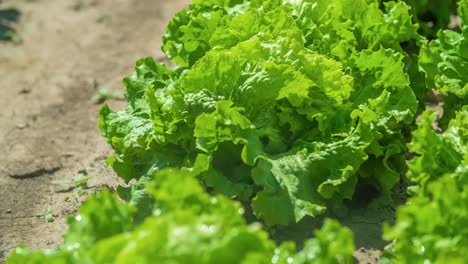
point(288, 104)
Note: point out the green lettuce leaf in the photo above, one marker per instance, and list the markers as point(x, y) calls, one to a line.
point(437, 153)
point(339, 28)
point(443, 239)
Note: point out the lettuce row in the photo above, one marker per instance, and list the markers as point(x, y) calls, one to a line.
point(440, 168)
point(431, 227)
point(265, 112)
point(439, 171)
point(190, 226)
point(444, 62)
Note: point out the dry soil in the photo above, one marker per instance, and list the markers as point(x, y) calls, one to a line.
point(66, 52)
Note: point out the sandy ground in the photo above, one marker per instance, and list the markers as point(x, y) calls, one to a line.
point(48, 122)
point(66, 52)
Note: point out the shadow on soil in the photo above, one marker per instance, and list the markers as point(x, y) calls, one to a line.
point(365, 215)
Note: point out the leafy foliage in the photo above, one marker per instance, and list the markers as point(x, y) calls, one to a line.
point(431, 15)
point(440, 169)
point(445, 63)
point(190, 226)
point(431, 227)
point(438, 154)
point(286, 103)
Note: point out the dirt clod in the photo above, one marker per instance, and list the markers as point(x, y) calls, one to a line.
point(21, 125)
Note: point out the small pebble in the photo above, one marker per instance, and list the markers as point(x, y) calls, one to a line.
point(21, 125)
point(9, 211)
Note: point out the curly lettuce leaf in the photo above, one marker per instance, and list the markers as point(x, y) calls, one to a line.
point(136, 132)
point(443, 239)
point(188, 33)
point(445, 61)
point(303, 181)
point(339, 28)
point(437, 153)
point(332, 244)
